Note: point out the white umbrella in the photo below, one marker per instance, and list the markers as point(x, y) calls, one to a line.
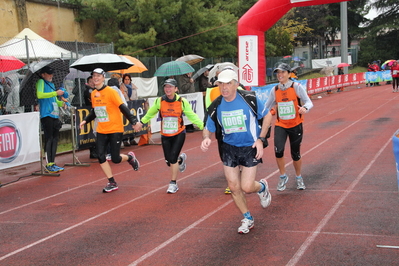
point(107, 62)
point(201, 71)
point(220, 66)
point(191, 59)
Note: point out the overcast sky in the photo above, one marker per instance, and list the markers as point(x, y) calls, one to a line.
point(372, 14)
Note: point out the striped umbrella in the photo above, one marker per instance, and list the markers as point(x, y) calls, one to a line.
point(173, 68)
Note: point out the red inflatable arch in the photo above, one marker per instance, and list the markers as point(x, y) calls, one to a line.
point(251, 39)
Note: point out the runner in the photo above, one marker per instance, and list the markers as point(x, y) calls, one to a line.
point(235, 120)
point(171, 108)
point(290, 110)
point(107, 108)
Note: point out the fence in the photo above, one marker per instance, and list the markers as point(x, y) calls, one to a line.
point(30, 49)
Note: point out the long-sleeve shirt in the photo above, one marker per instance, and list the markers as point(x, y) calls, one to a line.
point(47, 95)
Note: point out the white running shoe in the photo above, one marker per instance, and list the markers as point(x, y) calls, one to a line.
point(172, 188)
point(246, 225)
point(182, 164)
point(299, 184)
point(281, 184)
point(265, 196)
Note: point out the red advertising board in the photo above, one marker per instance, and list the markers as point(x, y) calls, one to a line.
point(322, 84)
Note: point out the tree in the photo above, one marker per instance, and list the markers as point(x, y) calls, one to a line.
point(165, 27)
point(381, 38)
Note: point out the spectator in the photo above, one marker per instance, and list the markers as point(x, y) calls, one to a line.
point(49, 105)
point(395, 76)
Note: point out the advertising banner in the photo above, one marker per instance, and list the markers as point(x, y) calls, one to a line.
point(248, 60)
point(322, 84)
point(197, 104)
point(85, 137)
point(19, 140)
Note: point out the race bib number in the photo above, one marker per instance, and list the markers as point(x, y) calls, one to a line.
point(286, 110)
point(101, 113)
point(170, 125)
point(394, 72)
point(56, 110)
point(233, 121)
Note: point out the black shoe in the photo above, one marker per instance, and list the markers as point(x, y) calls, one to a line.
point(126, 143)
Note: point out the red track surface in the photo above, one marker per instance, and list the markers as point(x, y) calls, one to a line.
point(349, 208)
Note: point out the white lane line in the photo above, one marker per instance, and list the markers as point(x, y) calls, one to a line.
point(298, 255)
point(175, 237)
point(384, 246)
point(94, 217)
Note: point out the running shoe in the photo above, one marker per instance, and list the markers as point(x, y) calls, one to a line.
point(281, 185)
point(227, 190)
point(299, 183)
point(58, 168)
point(172, 188)
point(110, 187)
point(265, 196)
point(134, 162)
point(108, 157)
point(182, 162)
point(246, 225)
point(52, 169)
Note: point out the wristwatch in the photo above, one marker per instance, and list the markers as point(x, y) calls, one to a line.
point(262, 139)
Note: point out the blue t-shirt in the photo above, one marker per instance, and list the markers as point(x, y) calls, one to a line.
point(239, 124)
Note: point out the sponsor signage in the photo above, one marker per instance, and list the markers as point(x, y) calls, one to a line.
point(248, 58)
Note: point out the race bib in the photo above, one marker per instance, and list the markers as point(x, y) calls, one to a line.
point(233, 121)
point(56, 110)
point(170, 125)
point(394, 72)
point(286, 110)
point(101, 113)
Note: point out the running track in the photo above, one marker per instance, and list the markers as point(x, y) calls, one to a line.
point(348, 215)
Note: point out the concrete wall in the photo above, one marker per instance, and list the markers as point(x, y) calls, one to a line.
point(51, 20)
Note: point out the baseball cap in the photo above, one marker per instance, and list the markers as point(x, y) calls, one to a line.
point(283, 67)
point(98, 71)
point(47, 70)
point(227, 75)
point(172, 82)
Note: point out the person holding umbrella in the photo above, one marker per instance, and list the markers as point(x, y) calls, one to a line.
point(171, 108)
point(107, 108)
point(49, 105)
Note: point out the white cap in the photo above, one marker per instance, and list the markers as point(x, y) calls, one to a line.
point(227, 75)
point(99, 71)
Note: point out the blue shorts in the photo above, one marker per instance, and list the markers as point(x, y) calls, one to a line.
point(233, 156)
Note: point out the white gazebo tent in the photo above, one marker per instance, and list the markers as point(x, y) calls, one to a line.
point(27, 45)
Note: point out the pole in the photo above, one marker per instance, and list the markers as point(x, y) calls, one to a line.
point(344, 34)
point(75, 160)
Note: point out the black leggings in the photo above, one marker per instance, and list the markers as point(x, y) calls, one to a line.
point(395, 82)
point(172, 147)
point(112, 140)
point(51, 129)
point(280, 137)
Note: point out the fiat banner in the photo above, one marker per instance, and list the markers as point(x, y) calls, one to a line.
point(19, 139)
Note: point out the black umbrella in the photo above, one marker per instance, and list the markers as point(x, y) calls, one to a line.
point(107, 62)
point(28, 84)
